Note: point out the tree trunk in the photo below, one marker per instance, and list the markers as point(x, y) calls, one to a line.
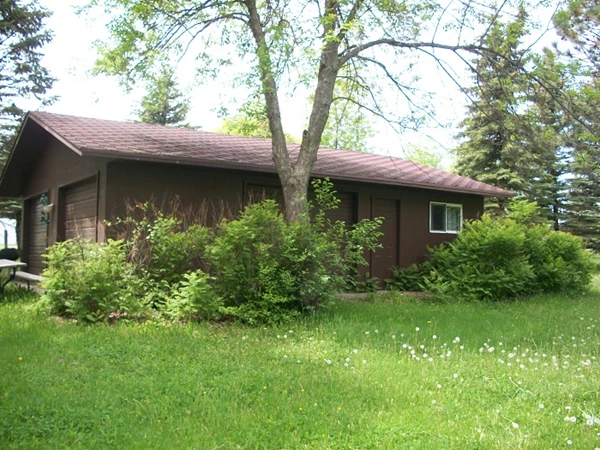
point(295, 191)
point(295, 175)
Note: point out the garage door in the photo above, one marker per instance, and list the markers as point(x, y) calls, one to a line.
point(80, 210)
point(37, 237)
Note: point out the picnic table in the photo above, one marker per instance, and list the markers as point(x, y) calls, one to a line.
point(10, 266)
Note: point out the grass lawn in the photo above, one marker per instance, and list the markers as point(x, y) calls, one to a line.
point(405, 375)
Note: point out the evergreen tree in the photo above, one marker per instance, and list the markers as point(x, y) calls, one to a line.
point(164, 103)
point(583, 199)
point(550, 117)
point(579, 23)
point(22, 35)
point(494, 133)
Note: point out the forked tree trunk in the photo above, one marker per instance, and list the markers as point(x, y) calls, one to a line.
point(295, 198)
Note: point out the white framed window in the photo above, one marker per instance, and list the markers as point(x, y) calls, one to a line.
point(445, 217)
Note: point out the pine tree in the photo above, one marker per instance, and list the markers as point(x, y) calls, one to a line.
point(22, 76)
point(550, 117)
point(164, 103)
point(494, 133)
point(583, 199)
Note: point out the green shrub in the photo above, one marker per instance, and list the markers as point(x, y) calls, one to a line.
point(89, 281)
point(558, 261)
point(494, 259)
point(406, 278)
point(267, 270)
point(195, 299)
point(164, 250)
point(256, 268)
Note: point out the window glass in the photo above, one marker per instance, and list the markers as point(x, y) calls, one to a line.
point(453, 218)
point(438, 217)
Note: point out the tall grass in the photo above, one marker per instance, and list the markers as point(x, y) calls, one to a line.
point(403, 374)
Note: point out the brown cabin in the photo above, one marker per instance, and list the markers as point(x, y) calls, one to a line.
point(74, 173)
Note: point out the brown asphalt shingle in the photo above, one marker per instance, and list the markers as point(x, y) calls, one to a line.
point(146, 142)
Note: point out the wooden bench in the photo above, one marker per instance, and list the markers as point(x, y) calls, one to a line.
point(28, 277)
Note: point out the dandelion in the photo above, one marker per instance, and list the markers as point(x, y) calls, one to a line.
point(417, 329)
point(569, 442)
point(376, 331)
point(462, 347)
point(347, 359)
point(439, 386)
point(355, 351)
point(491, 349)
point(456, 340)
point(434, 337)
point(455, 376)
point(541, 406)
point(515, 425)
point(328, 361)
point(572, 419)
point(367, 333)
point(364, 361)
point(393, 336)
point(433, 402)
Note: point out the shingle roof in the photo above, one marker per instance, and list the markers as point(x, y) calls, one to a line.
point(147, 142)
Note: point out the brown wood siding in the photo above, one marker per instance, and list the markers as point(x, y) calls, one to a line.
point(80, 210)
point(345, 211)
point(37, 237)
point(143, 181)
point(385, 257)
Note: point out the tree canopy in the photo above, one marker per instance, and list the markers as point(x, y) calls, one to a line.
point(278, 45)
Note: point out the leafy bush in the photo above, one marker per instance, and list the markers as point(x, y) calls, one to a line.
point(256, 268)
point(89, 281)
point(195, 299)
point(409, 278)
point(267, 269)
point(558, 261)
point(494, 259)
